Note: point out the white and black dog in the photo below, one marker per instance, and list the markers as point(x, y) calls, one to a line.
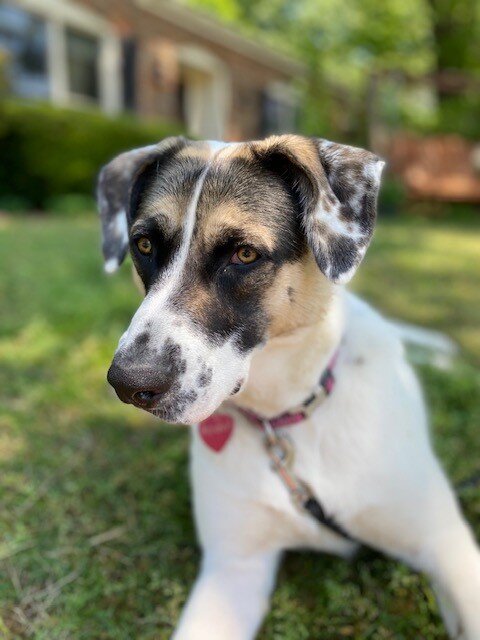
point(295, 387)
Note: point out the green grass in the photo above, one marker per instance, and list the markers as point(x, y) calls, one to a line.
point(96, 536)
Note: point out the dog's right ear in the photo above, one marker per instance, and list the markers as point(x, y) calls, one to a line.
point(114, 186)
point(336, 188)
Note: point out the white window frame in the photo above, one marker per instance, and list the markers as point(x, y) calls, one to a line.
point(200, 59)
point(58, 16)
point(289, 96)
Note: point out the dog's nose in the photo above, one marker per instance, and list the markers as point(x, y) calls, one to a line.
point(139, 386)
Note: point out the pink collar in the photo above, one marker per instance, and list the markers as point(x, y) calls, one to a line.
point(323, 389)
point(216, 430)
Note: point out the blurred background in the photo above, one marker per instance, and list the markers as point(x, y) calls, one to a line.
point(96, 536)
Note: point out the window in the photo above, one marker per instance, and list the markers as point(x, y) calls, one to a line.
point(82, 63)
point(279, 110)
point(23, 39)
point(62, 51)
point(204, 92)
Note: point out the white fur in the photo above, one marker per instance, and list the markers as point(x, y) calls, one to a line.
point(366, 454)
point(111, 265)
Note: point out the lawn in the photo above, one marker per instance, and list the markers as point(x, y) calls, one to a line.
point(96, 536)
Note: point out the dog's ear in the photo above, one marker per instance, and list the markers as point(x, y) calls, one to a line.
point(114, 186)
point(336, 188)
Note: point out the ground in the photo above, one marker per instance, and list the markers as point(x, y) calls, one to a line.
point(96, 535)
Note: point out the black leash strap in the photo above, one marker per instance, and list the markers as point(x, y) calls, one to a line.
point(280, 452)
point(315, 509)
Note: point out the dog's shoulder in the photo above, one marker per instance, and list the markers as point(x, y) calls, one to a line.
point(368, 331)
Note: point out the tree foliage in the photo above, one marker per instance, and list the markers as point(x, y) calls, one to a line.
point(346, 42)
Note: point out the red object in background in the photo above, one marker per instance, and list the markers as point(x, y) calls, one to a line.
point(443, 167)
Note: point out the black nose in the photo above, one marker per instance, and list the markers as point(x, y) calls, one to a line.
point(138, 385)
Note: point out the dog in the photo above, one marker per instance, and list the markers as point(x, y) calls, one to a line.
point(309, 425)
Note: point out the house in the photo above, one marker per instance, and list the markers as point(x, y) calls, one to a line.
point(156, 58)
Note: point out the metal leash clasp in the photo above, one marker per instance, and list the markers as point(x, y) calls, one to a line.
point(281, 453)
point(279, 447)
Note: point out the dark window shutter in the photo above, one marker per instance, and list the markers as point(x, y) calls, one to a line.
point(129, 51)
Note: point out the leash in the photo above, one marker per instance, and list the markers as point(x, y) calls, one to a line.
point(216, 431)
point(280, 449)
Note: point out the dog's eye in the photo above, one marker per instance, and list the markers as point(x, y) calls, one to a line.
point(144, 245)
point(245, 255)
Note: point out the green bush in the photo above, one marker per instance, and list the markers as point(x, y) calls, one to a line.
point(47, 152)
point(70, 204)
point(14, 204)
point(392, 195)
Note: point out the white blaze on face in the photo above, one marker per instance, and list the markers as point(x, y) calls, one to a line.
point(212, 370)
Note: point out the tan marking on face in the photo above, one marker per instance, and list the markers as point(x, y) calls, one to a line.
point(196, 150)
point(196, 301)
point(228, 215)
point(312, 293)
point(303, 149)
point(137, 280)
point(168, 211)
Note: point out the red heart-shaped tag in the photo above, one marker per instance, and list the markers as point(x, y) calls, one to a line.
point(216, 431)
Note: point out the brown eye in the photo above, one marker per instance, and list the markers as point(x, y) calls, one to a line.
point(245, 255)
point(144, 246)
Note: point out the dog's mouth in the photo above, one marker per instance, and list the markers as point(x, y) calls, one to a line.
point(162, 414)
point(173, 417)
point(187, 407)
point(237, 388)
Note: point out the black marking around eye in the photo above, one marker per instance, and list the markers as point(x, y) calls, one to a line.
point(154, 167)
point(253, 187)
point(164, 249)
point(226, 300)
point(167, 176)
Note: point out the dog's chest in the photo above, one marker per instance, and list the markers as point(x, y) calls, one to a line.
point(341, 452)
point(231, 466)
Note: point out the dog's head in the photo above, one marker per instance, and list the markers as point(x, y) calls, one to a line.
point(234, 244)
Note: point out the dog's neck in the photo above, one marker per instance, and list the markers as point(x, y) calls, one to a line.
point(284, 372)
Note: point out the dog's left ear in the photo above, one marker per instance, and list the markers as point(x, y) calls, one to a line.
point(336, 188)
point(113, 188)
point(114, 185)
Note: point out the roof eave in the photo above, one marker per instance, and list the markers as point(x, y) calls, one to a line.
point(193, 21)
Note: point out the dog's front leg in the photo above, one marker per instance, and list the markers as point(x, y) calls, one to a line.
point(229, 599)
point(454, 560)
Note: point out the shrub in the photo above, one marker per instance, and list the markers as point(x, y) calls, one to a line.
point(48, 152)
point(14, 204)
point(70, 204)
point(392, 195)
